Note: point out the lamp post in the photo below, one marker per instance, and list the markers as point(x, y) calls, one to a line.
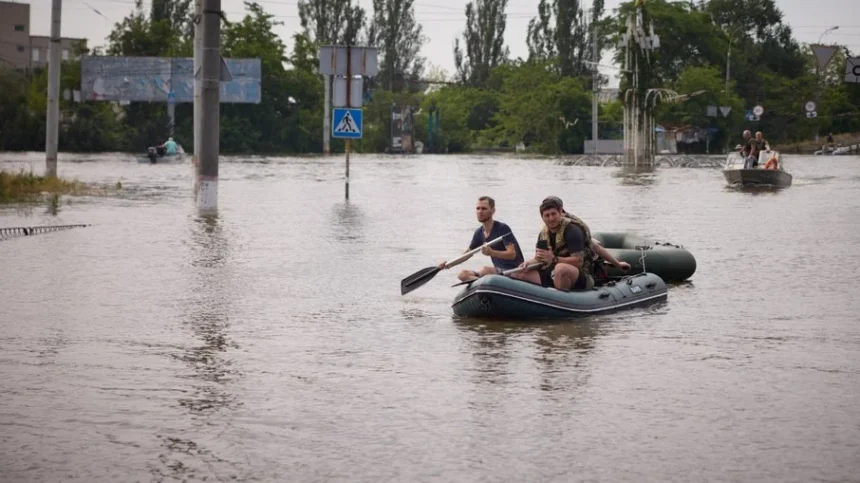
point(818, 73)
point(729, 56)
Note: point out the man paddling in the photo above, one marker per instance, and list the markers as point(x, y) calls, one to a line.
point(505, 254)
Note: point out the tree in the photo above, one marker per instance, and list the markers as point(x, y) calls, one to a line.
point(330, 22)
point(561, 30)
point(399, 38)
point(483, 41)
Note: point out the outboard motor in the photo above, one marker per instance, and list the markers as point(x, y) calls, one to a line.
point(151, 154)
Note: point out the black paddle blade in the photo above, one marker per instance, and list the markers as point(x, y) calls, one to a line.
point(417, 279)
point(463, 283)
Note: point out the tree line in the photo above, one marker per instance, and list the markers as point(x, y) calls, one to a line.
point(492, 100)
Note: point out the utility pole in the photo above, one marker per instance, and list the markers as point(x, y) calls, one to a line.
point(198, 103)
point(210, 97)
point(171, 102)
point(594, 89)
point(52, 130)
point(327, 116)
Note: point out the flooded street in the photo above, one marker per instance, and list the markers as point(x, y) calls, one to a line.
point(272, 343)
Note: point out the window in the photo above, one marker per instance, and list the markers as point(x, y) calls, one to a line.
point(20, 48)
point(19, 28)
point(65, 54)
point(35, 55)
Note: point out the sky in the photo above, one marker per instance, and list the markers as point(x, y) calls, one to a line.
point(442, 20)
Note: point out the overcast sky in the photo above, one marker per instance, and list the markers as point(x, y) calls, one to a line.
point(443, 21)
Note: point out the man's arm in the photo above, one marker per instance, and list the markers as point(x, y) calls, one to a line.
point(575, 241)
point(510, 252)
point(604, 254)
point(475, 243)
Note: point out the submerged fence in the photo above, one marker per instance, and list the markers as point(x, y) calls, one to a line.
point(17, 231)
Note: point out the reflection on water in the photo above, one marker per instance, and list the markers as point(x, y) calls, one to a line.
point(348, 222)
point(636, 176)
point(207, 311)
point(559, 349)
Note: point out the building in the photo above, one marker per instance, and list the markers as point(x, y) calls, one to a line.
point(39, 45)
point(15, 35)
point(19, 49)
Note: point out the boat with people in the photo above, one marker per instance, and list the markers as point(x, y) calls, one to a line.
point(157, 155)
point(500, 296)
point(768, 172)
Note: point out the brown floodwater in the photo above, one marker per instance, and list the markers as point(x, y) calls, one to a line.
point(272, 343)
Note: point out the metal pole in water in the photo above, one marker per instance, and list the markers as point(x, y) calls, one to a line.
point(52, 130)
point(348, 105)
point(210, 95)
point(327, 116)
point(198, 103)
point(594, 91)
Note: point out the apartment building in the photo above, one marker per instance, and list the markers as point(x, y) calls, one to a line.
point(20, 50)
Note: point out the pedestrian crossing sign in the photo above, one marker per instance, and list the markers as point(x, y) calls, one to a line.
point(346, 123)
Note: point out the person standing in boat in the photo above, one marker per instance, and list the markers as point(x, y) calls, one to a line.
point(600, 253)
point(169, 146)
point(505, 254)
point(757, 145)
point(564, 248)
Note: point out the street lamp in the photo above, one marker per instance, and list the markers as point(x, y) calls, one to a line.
point(729, 55)
point(831, 29)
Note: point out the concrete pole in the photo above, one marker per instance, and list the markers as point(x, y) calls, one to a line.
point(327, 116)
point(52, 130)
point(198, 104)
point(171, 104)
point(210, 96)
point(594, 90)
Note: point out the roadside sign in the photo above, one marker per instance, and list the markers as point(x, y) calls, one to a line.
point(758, 110)
point(811, 114)
point(725, 110)
point(810, 106)
point(852, 70)
point(171, 98)
point(347, 123)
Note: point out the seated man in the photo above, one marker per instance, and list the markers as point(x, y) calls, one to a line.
point(564, 248)
point(600, 253)
point(505, 254)
point(169, 146)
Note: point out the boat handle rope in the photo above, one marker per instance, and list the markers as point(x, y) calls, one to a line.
point(16, 231)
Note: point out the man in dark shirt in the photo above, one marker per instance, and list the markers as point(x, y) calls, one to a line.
point(505, 254)
point(562, 257)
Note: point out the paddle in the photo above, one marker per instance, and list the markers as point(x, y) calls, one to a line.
point(505, 273)
point(423, 276)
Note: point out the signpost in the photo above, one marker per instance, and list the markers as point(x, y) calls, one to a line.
point(852, 70)
point(347, 65)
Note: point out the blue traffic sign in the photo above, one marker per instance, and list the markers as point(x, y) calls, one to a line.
point(346, 123)
point(171, 98)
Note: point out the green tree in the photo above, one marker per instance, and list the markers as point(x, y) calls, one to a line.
point(329, 22)
point(399, 38)
point(483, 41)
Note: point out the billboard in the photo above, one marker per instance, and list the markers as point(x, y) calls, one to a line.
point(154, 79)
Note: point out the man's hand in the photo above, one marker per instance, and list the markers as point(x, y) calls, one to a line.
point(623, 266)
point(486, 250)
point(544, 256)
point(442, 266)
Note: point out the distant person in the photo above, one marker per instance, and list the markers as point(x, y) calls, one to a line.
point(757, 145)
point(505, 254)
point(745, 147)
point(169, 146)
point(830, 139)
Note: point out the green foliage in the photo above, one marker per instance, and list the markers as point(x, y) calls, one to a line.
point(483, 41)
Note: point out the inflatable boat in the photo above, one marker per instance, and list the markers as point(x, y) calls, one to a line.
point(769, 171)
point(672, 263)
point(498, 296)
